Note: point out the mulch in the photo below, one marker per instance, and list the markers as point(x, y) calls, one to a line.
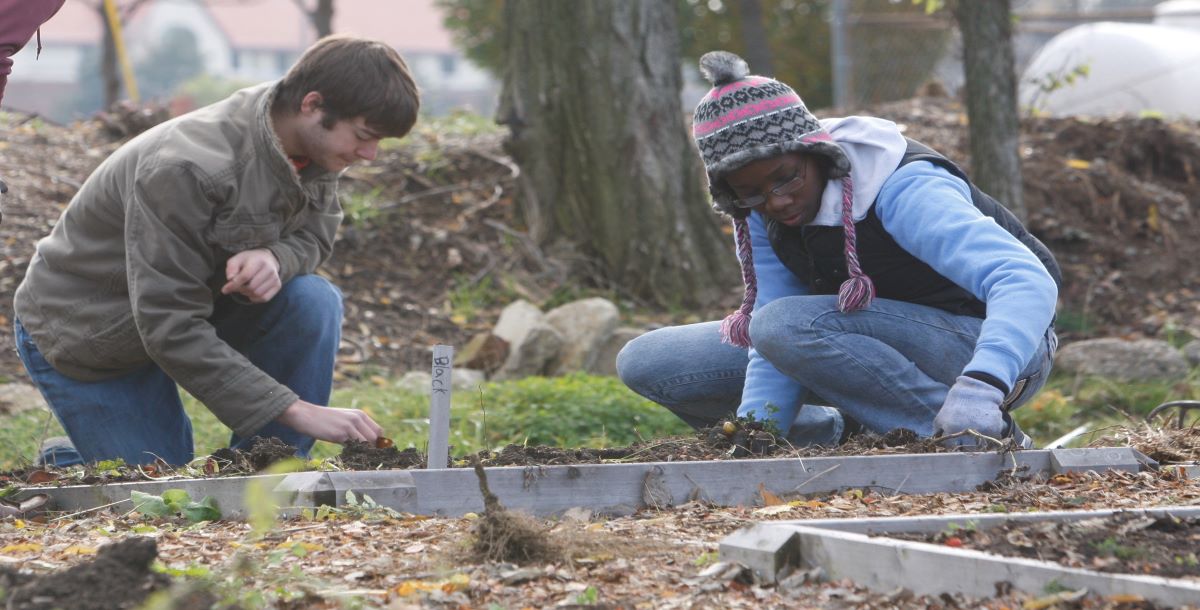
point(656, 558)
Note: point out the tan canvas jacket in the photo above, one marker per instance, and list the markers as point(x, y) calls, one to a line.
point(130, 272)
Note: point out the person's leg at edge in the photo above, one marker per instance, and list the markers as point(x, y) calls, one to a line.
point(889, 366)
point(137, 417)
point(294, 338)
point(687, 370)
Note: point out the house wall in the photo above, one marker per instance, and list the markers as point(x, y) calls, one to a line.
point(252, 42)
point(159, 19)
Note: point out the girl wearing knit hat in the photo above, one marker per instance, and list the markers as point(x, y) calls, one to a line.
point(878, 281)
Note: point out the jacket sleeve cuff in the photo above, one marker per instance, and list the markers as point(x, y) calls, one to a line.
point(247, 412)
point(288, 262)
point(988, 379)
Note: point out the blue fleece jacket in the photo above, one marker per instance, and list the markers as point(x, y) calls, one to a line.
point(928, 211)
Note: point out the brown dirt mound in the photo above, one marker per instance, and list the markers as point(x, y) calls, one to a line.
point(263, 453)
point(705, 445)
point(119, 577)
point(357, 455)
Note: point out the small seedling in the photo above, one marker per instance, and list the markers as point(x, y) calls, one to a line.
point(176, 502)
point(706, 559)
point(588, 597)
point(366, 507)
point(1110, 546)
point(956, 528)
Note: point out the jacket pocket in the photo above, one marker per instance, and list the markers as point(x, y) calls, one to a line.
point(238, 232)
point(117, 345)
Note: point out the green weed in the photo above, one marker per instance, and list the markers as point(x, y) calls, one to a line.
point(468, 300)
point(1110, 546)
point(175, 502)
point(360, 209)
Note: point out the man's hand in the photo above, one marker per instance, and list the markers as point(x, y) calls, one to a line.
point(253, 274)
point(971, 404)
point(329, 423)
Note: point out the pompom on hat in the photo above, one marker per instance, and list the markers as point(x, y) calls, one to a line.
point(745, 118)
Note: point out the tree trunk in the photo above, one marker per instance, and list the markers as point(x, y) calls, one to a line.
point(109, 72)
point(754, 38)
point(322, 18)
point(591, 95)
point(320, 15)
point(991, 84)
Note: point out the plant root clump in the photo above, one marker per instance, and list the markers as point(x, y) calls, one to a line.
point(501, 535)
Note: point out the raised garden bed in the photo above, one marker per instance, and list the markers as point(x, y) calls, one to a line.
point(933, 555)
point(619, 488)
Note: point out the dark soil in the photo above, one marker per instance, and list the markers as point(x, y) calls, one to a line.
point(710, 444)
point(263, 453)
point(707, 445)
point(1126, 543)
point(119, 577)
point(225, 462)
point(357, 455)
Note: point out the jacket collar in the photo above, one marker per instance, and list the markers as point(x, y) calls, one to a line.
point(269, 149)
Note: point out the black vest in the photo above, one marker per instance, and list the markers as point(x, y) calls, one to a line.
point(816, 254)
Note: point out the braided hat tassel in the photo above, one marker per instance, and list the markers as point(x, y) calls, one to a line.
point(858, 291)
point(735, 328)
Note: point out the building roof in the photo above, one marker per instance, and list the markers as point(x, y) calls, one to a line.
point(407, 25)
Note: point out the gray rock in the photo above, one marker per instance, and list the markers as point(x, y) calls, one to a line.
point(415, 381)
point(1191, 351)
point(584, 325)
point(535, 355)
point(1121, 360)
point(467, 379)
point(516, 321)
point(606, 359)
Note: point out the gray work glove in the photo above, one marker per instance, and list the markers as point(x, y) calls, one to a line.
point(971, 404)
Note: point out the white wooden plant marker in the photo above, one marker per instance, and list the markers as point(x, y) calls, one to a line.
point(439, 407)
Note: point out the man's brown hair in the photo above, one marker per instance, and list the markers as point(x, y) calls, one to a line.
point(356, 77)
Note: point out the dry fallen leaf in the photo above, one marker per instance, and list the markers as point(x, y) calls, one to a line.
point(768, 498)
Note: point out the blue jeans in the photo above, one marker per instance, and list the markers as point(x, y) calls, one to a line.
point(889, 366)
point(139, 416)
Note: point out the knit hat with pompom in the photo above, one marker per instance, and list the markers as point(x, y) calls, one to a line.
point(745, 118)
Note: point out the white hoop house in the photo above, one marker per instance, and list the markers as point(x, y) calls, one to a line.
point(1131, 68)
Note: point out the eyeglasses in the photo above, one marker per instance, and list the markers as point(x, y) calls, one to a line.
point(783, 189)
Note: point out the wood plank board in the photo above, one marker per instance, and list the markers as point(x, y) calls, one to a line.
point(605, 488)
point(844, 549)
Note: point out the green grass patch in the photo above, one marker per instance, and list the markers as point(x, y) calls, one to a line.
point(572, 411)
point(587, 411)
